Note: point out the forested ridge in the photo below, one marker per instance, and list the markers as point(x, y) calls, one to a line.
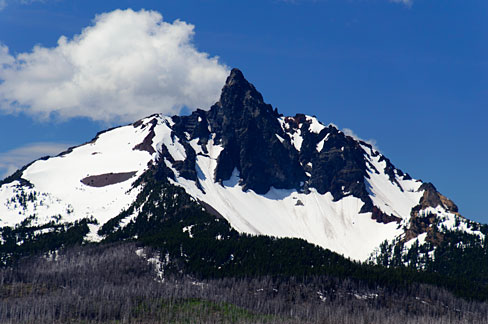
point(206, 246)
point(110, 283)
point(202, 270)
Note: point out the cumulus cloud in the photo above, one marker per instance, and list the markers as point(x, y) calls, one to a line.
point(3, 4)
point(12, 160)
point(371, 141)
point(125, 66)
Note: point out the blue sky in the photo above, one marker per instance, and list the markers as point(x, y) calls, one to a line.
point(412, 76)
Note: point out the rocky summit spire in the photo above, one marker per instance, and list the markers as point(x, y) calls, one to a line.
point(240, 104)
point(247, 127)
point(235, 77)
point(238, 92)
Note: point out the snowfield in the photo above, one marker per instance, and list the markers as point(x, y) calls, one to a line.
point(57, 193)
point(57, 181)
point(316, 218)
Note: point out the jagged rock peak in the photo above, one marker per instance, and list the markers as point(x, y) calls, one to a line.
point(247, 128)
point(235, 77)
point(432, 198)
point(238, 92)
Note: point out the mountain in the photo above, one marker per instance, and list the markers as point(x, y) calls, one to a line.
point(242, 162)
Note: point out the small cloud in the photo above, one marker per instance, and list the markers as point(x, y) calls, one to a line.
point(5, 58)
point(13, 160)
point(28, 2)
point(4, 3)
point(371, 142)
point(297, 1)
point(127, 65)
point(407, 3)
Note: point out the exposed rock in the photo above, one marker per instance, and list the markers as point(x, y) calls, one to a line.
point(427, 222)
point(381, 217)
point(432, 198)
point(146, 144)
point(449, 204)
point(255, 144)
point(422, 223)
point(247, 128)
point(340, 167)
point(294, 122)
point(390, 171)
point(195, 125)
point(107, 179)
point(187, 168)
point(209, 209)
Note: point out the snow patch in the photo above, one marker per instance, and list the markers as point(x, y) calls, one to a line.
point(281, 139)
point(156, 262)
point(297, 139)
point(421, 239)
point(315, 125)
point(163, 136)
point(387, 195)
point(320, 145)
point(188, 229)
point(92, 235)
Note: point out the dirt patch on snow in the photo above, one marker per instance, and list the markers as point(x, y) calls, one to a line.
point(107, 179)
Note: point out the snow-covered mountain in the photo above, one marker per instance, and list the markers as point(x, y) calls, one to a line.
point(263, 172)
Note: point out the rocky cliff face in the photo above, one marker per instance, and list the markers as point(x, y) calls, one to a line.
point(270, 150)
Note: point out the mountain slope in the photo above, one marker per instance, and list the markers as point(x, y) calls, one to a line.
point(241, 160)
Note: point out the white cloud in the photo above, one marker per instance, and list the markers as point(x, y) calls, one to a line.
point(28, 2)
point(407, 3)
point(350, 132)
point(12, 160)
point(5, 58)
point(4, 3)
point(125, 66)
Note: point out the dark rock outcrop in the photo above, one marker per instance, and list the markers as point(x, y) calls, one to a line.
point(146, 144)
point(258, 142)
point(247, 128)
point(381, 217)
point(339, 168)
point(432, 198)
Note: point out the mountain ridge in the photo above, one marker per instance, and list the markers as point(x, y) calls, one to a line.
point(265, 173)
